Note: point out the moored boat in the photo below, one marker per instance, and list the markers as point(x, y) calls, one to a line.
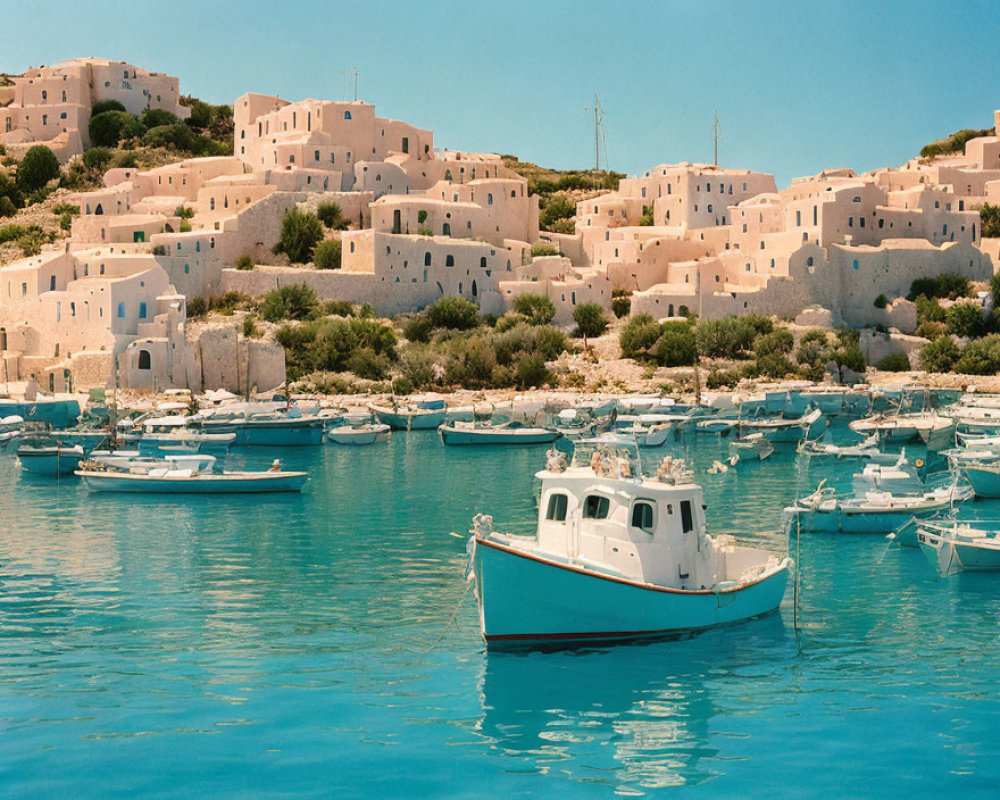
point(49, 458)
point(415, 414)
point(466, 433)
point(616, 556)
point(954, 546)
point(359, 433)
point(187, 475)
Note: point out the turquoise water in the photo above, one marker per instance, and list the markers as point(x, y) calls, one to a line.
point(326, 645)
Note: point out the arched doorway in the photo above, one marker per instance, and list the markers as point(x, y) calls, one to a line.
point(144, 359)
point(67, 381)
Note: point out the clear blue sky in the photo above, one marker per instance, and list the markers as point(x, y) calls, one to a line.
point(799, 86)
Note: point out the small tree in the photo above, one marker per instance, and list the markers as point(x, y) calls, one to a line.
point(37, 168)
point(97, 158)
point(110, 127)
point(331, 215)
point(300, 233)
point(939, 355)
point(894, 362)
point(244, 262)
point(638, 336)
point(327, 255)
point(677, 346)
point(966, 319)
point(105, 105)
point(881, 301)
point(590, 320)
point(538, 310)
point(543, 249)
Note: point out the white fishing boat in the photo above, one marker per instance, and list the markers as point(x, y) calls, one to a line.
point(953, 546)
point(780, 430)
point(187, 475)
point(359, 433)
point(870, 512)
point(472, 433)
point(647, 432)
point(936, 431)
point(755, 447)
point(574, 424)
point(866, 450)
point(263, 424)
point(616, 556)
point(418, 413)
point(171, 435)
point(977, 420)
point(49, 458)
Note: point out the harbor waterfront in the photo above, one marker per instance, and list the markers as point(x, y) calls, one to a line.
point(327, 644)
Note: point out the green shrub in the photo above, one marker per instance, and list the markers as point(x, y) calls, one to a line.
point(939, 355)
point(954, 143)
point(418, 328)
point(949, 285)
point(775, 365)
point(196, 307)
point(531, 372)
point(778, 341)
point(327, 254)
point(730, 337)
point(7, 207)
point(37, 168)
point(66, 208)
point(157, 117)
point(331, 344)
point(422, 231)
point(125, 161)
point(894, 362)
point(105, 105)
point(677, 345)
point(288, 302)
point(250, 329)
point(881, 301)
point(966, 319)
point(720, 379)
point(331, 215)
point(109, 128)
point(543, 249)
point(402, 386)
point(621, 302)
point(244, 262)
point(417, 366)
point(932, 330)
point(980, 357)
point(647, 215)
point(538, 310)
point(553, 210)
point(175, 135)
point(184, 212)
point(10, 232)
point(638, 336)
point(928, 310)
point(300, 233)
point(9, 190)
point(366, 363)
point(995, 285)
point(849, 356)
point(455, 313)
point(990, 219)
point(590, 320)
point(66, 221)
point(97, 158)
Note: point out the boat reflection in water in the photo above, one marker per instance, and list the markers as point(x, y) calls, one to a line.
point(634, 717)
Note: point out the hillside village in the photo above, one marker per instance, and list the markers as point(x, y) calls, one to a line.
point(115, 287)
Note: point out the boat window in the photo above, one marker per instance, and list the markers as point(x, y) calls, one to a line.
point(596, 507)
point(643, 516)
point(557, 507)
point(687, 518)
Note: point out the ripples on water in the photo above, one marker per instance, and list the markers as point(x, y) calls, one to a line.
point(301, 646)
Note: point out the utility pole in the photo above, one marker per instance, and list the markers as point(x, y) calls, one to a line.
point(715, 134)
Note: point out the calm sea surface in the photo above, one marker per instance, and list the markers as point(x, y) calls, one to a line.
point(326, 645)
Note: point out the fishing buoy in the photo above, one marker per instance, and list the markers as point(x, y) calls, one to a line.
point(918, 463)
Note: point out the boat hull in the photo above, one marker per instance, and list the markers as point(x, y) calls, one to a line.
point(524, 599)
point(403, 421)
point(950, 555)
point(50, 463)
point(985, 481)
point(208, 484)
point(348, 436)
point(473, 436)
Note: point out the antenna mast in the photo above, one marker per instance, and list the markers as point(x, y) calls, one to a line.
point(597, 139)
point(715, 134)
point(351, 71)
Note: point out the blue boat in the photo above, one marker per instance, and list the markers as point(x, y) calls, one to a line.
point(616, 556)
point(53, 459)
